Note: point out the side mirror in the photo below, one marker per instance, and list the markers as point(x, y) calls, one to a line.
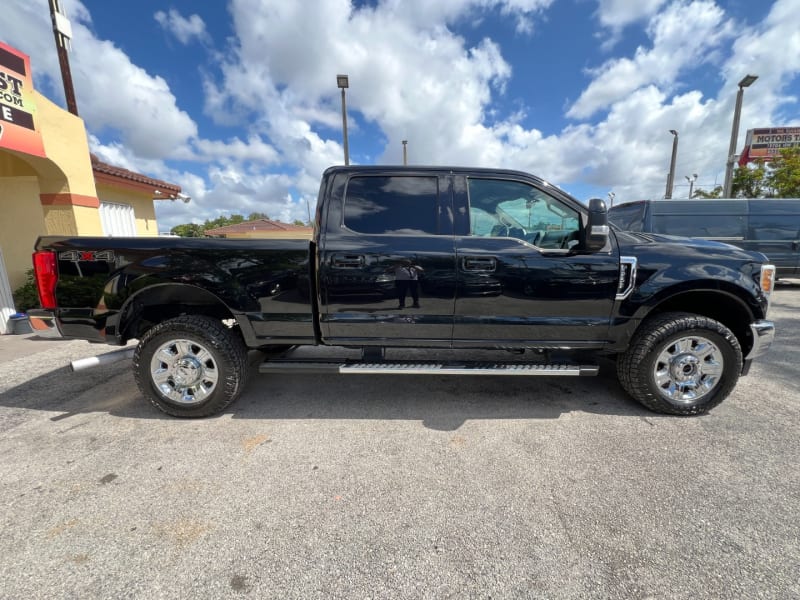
point(595, 234)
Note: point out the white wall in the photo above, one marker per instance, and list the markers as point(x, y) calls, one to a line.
point(6, 301)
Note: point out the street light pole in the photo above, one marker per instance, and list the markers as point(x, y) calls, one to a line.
point(691, 181)
point(746, 81)
point(343, 81)
point(671, 176)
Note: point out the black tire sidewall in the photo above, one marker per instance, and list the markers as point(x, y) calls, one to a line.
point(637, 366)
point(726, 382)
point(210, 334)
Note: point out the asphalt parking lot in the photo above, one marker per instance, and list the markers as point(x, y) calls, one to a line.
point(387, 487)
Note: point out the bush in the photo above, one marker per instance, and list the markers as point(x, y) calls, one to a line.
point(26, 296)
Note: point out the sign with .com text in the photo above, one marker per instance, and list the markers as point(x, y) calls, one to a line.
point(18, 127)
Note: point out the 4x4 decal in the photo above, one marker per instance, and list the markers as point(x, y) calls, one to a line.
point(87, 255)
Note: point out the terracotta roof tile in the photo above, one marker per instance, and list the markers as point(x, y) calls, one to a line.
point(169, 189)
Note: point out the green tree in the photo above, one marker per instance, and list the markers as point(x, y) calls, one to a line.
point(188, 230)
point(780, 178)
point(257, 215)
point(222, 221)
point(750, 182)
point(784, 174)
point(715, 193)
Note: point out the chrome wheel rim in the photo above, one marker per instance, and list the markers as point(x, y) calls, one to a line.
point(184, 372)
point(688, 369)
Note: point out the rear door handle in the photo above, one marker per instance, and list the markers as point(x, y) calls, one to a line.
point(479, 263)
point(348, 261)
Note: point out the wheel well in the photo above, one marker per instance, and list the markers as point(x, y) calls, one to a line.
point(160, 303)
point(728, 310)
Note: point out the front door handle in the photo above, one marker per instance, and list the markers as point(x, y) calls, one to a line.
point(348, 261)
point(483, 264)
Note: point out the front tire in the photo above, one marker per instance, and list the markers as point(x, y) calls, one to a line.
point(681, 364)
point(190, 366)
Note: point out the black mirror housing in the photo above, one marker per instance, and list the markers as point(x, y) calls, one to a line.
point(595, 234)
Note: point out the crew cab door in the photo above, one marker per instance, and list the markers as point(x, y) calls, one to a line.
point(520, 284)
point(388, 234)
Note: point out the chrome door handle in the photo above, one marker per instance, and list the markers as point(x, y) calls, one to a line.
point(479, 263)
point(348, 261)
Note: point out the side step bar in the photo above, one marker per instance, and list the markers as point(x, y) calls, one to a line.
point(425, 368)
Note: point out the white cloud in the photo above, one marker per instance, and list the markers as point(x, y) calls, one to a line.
point(232, 190)
point(254, 149)
point(145, 112)
point(412, 77)
point(185, 29)
point(633, 142)
point(227, 188)
point(684, 35)
point(616, 14)
point(282, 78)
point(111, 91)
point(770, 50)
point(423, 14)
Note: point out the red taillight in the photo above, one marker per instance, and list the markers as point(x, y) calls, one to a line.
point(44, 266)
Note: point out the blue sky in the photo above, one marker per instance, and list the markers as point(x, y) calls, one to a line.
point(237, 101)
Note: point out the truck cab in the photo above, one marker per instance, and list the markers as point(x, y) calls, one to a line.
point(501, 258)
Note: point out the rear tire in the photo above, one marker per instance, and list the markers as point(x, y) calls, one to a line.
point(190, 366)
point(681, 364)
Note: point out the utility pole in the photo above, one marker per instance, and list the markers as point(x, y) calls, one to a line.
point(405, 152)
point(671, 176)
point(62, 31)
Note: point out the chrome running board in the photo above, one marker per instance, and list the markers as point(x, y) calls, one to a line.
point(426, 368)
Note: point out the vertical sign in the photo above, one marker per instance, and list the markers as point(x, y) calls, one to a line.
point(18, 127)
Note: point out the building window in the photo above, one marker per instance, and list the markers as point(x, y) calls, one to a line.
point(118, 220)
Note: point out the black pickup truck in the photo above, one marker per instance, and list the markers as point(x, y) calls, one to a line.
point(432, 258)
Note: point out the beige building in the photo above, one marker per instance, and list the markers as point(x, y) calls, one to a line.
point(262, 228)
point(51, 185)
point(126, 199)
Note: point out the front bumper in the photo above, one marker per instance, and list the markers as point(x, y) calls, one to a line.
point(43, 323)
point(763, 335)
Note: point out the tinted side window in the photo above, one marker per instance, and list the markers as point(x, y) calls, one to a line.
point(398, 205)
point(702, 226)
